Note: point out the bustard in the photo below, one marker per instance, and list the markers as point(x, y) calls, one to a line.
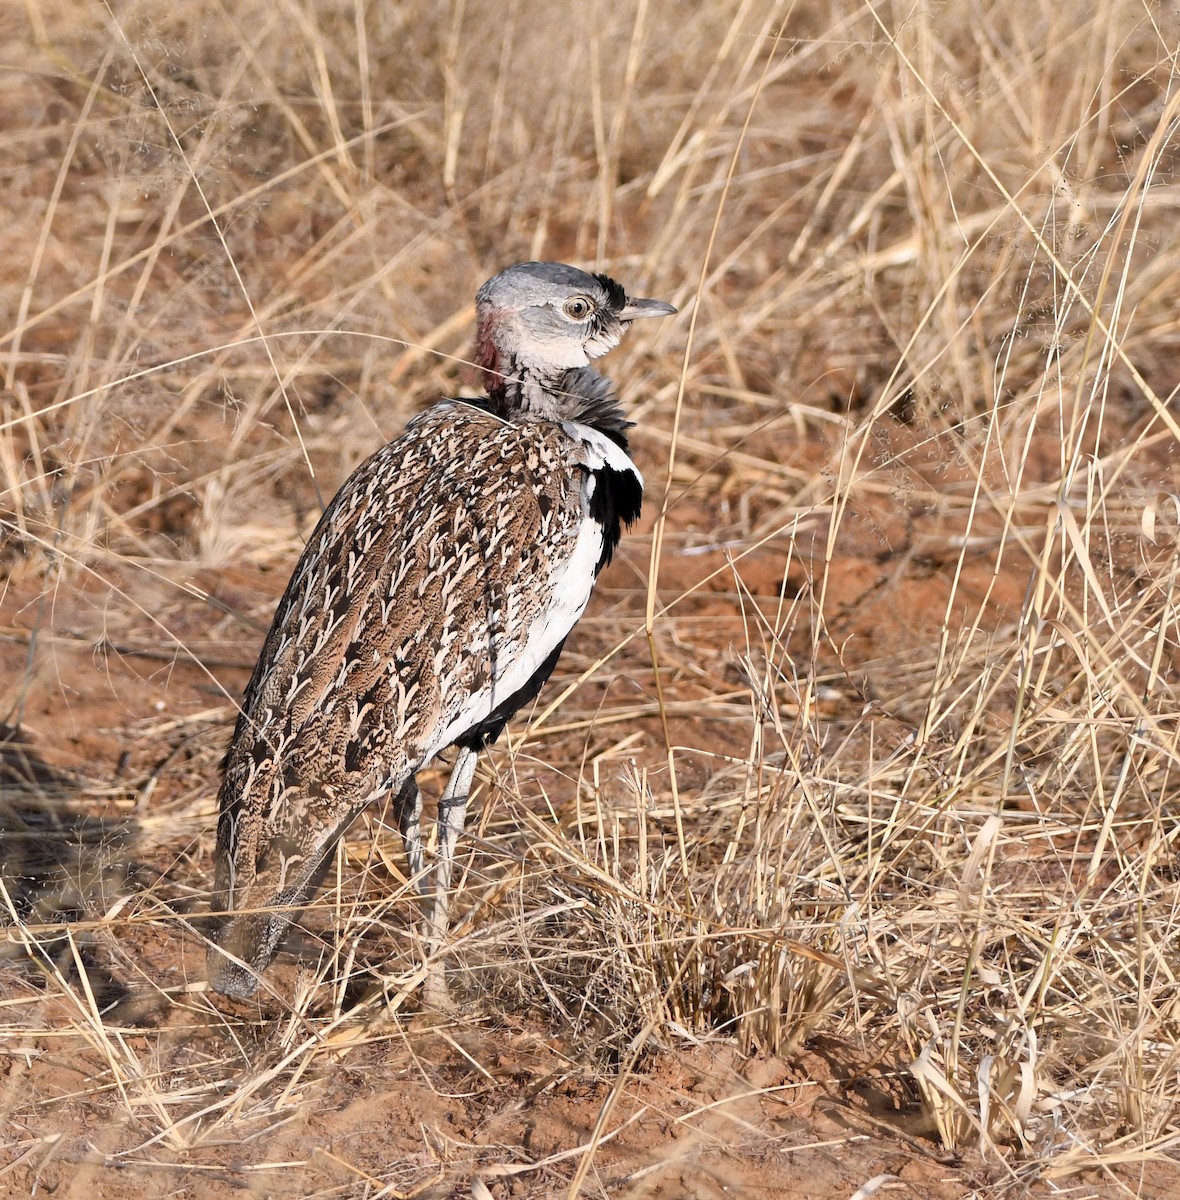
point(431, 602)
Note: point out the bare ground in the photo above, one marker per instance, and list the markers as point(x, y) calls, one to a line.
point(111, 783)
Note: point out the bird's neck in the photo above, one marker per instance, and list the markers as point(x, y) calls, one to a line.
point(574, 394)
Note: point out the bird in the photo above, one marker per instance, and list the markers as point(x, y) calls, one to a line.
point(430, 604)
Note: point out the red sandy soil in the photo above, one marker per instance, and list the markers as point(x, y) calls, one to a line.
point(421, 1106)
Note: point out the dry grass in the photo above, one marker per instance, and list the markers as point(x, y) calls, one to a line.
point(872, 735)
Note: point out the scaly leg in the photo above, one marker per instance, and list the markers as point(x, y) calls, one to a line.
point(452, 812)
point(408, 807)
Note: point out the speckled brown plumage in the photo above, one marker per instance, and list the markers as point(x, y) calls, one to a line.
point(431, 601)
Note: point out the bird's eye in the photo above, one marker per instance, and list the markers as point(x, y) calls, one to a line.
point(577, 308)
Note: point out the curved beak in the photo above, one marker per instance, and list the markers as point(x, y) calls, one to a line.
point(634, 309)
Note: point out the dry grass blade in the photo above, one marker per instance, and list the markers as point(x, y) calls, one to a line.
point(848, 826)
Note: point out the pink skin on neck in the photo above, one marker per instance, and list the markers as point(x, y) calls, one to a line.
point(487, 355)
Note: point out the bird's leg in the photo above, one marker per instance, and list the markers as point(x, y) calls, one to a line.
point(408, 807)
point(452, 812)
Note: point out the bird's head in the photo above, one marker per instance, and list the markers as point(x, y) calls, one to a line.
point(540, 319)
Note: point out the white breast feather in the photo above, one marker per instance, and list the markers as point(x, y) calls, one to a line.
point(600, 450)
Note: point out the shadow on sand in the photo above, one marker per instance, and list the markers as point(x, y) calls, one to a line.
point(61, 868)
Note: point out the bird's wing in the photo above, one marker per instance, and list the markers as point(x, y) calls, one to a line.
point(447, 569)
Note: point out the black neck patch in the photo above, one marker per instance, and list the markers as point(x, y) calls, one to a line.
point(616, 501)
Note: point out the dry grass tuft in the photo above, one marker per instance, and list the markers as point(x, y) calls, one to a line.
point(869, 740)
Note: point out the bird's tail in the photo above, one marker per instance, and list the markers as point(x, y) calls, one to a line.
point(262, 882)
